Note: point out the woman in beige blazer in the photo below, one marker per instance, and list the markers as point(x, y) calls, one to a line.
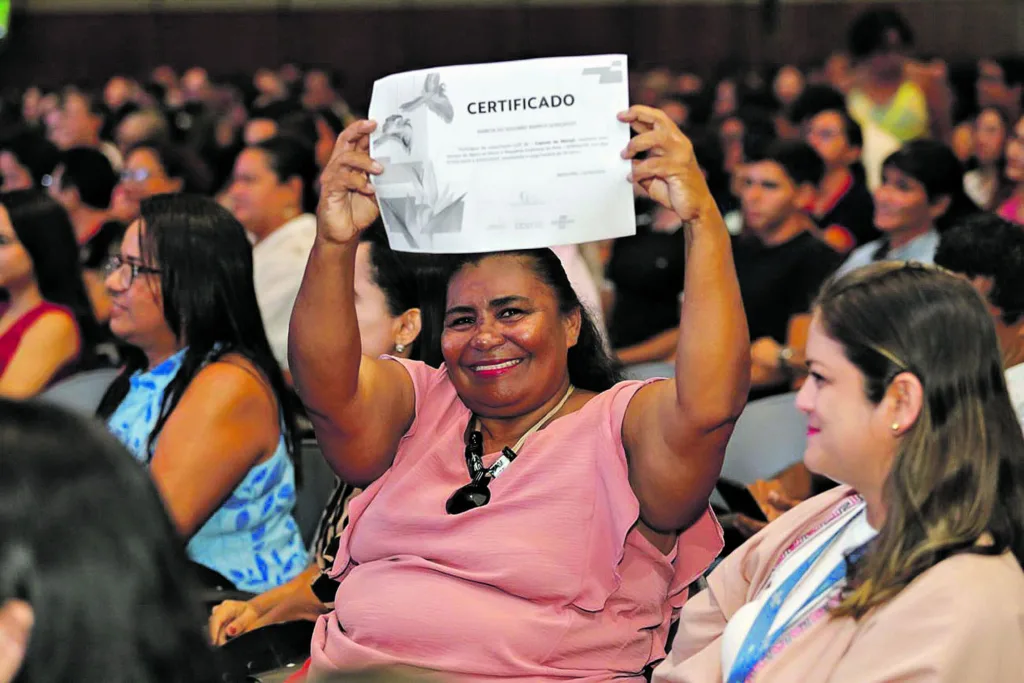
point(910, 571)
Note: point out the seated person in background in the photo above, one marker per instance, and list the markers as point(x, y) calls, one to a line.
point(843, 207)
point(982, 183)
point(1000, 83)
point(780, 261)
point(47, 329)
point(79, 122)
point(905, 99)
point(155, 168)
point(921, 195)
point(645, 273)
point(582, 281)
point(87, 553)
point(400, 313)
point(538, 566)
point(83, 183)
point(141, 126)
point(1010, 198)
point(26, 159)
point(207, 411)
point(912, 569)
point(989, 251)
point(272, 194)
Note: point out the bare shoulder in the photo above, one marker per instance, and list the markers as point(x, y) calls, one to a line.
point(233, 381)
point(52, 327)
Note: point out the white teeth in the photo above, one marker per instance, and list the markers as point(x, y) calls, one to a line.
point(499, 366)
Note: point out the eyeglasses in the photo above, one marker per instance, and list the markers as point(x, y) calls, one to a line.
point(116, 264)
point(138, 175)
point(824, 134)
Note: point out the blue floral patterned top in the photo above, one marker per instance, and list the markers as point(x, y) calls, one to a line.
point(252, 539)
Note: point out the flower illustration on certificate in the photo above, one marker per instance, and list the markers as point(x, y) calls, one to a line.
point(433, 98)
point(429, 208)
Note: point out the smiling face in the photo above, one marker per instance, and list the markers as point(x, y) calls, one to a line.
point(505, 343)
point(901, 203)
point(849, 438)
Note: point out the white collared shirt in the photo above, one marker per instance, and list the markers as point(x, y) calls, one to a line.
point(278, 263)
point(1015, 384)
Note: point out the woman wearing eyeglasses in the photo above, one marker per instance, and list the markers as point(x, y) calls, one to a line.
point(527, 515)
point(151, 169)
point(205, 408)
point(46, 323)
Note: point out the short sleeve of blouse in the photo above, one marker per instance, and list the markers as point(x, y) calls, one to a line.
point(618, 512)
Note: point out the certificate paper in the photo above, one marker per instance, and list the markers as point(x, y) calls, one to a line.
point(511, 155)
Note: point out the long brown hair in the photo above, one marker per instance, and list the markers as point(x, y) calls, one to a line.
point(959, 471)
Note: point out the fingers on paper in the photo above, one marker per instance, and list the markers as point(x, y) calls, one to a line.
point(649, 169)
point(649, 141)
point(355, 138)
point(643, 118)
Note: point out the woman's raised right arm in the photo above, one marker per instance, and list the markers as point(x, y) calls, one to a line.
point(360, 406)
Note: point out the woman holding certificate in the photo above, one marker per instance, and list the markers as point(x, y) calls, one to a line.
point(911, 571)
point(526, 514)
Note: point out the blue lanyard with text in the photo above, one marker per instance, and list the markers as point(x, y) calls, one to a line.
point(760, 638)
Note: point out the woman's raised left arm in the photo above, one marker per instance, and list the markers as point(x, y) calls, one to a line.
point(675, 432)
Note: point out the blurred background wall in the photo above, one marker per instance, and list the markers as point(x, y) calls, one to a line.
point(85, 41)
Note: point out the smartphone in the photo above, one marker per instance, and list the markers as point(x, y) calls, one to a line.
point(739, 499)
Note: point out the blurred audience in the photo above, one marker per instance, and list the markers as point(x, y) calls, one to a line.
point(26, 161)
point(83, 183)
